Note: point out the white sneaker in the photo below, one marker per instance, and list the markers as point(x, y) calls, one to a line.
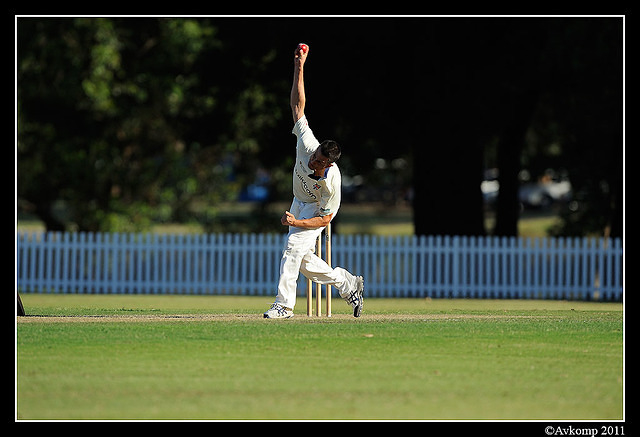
point(278, 311)
point(355, 298)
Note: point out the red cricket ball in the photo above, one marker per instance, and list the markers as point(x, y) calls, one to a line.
point(303, 47)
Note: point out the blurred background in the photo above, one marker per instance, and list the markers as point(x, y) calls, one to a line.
point(449, 126)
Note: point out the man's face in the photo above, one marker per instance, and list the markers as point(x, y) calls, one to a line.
point(318, 161)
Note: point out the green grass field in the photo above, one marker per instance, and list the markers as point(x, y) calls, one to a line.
point(96, 357)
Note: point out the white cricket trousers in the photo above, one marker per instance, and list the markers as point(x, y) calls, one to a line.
point(299, 257)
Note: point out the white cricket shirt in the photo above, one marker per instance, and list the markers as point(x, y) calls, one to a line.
point(325, 191)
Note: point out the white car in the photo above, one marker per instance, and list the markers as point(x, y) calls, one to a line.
point(541, 194)
point(544, 194)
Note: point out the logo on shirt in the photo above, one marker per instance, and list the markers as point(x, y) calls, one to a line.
point(316, 187)
point(304, 183)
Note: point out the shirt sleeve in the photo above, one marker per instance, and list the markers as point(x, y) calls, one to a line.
point(330, 203)
point(306, 139)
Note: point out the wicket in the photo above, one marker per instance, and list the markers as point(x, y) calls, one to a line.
point(327, 234)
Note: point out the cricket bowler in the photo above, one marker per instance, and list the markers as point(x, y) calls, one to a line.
point(316, 200)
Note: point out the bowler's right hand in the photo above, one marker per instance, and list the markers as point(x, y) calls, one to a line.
point(300, 55)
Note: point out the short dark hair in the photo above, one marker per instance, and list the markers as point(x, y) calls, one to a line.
point(331, 150)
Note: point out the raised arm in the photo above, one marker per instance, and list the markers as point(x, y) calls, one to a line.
point(298, 99)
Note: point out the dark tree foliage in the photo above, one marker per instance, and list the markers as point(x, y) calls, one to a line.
point(123, 122)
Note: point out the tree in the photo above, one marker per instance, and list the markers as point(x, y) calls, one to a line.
point(127, 121)
point(456, 99)
point(586, 103)
point(523, 84)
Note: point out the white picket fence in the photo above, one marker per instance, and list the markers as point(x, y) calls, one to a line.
point(248, 264)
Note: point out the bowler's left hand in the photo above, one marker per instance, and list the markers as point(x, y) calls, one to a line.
point(287, 219)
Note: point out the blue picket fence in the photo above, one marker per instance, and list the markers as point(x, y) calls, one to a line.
point(394, 266)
